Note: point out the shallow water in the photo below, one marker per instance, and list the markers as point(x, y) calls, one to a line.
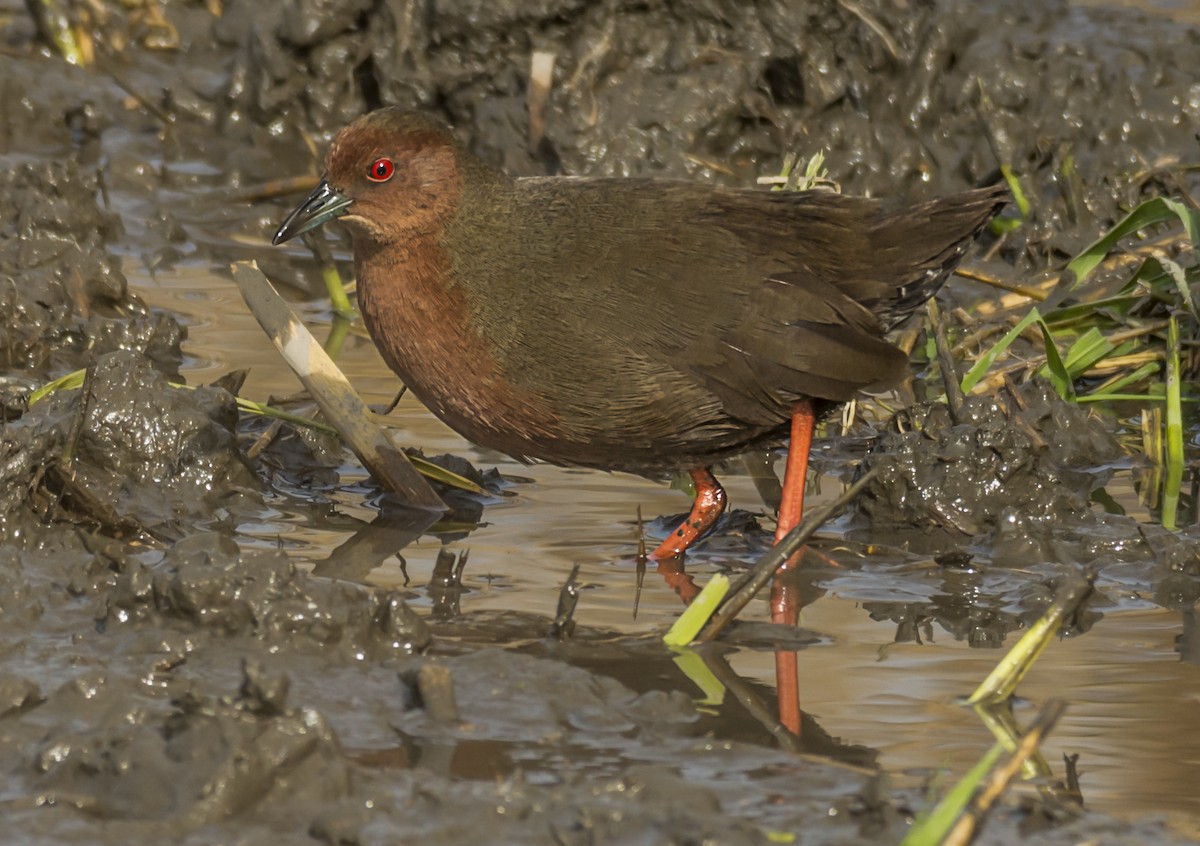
point(1132, 682)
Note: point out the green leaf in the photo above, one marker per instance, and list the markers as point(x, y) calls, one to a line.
point(984, 363)
point(1179, 277)
point(1014, 185)
point(1112, 390)
point(1174, 476)
point(1008, 672)
point(1117, 397)
point(264, 410)
point(1054, 368)
point(1094, 310)
point(1001, 225)
point(1157, 210)
point(447, 477)
point(692, 620)
point(69, 382)
point(1090, 348)
point(931, 827)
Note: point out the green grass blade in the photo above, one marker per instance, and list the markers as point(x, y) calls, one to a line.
point(1000, 225)
point(931, 828)
point(1174, 475)
point(1003, 680)
point(984, 363)
point(694, 617)
point(447, 477)
point(336, 291)
point(1093, 310)
point(54, 21)
point(998, 718)
point(1014, 185)
point(960, 815)
point(424, 466)
point(1166, 280)
point(699, 674)
point(339, 331)
point(1157, 210)
point(1089, 349)
point(69, 382)
point(1054, 368)
point(1174, 412)
point(1177, 275)
point(1133, 398)
point(1112, 389)
point(264, 410)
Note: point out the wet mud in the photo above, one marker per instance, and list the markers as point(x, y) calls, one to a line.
point(168, 674)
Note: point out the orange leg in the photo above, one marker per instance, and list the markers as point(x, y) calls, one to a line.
point(708, 506)
point(791, 508)
point(784, 608)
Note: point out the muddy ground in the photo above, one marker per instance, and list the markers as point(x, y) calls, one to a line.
point(204, 641)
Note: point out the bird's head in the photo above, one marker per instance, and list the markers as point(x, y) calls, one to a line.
point(388, 175)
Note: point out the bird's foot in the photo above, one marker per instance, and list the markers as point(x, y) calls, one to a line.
point(706, 510)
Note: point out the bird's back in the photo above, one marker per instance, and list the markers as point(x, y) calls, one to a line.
point(676, 321)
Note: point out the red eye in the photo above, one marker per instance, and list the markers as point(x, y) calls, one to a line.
point(381, 170)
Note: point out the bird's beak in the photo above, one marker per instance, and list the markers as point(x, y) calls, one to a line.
point(324, 203)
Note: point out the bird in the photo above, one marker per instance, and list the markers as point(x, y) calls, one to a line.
point(647, 325)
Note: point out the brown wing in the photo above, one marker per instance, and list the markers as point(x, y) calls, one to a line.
point(818, 330)
point(672, 316)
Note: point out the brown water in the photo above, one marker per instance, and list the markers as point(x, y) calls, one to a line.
point(1133, 700)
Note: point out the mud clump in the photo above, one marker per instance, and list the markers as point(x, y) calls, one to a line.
point(63, 298)
point(1012, 480)
point(1005, 453)
point(204, 583)
point(128, 453)
point(203, 760)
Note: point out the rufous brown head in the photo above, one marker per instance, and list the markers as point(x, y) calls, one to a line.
point(388, 175)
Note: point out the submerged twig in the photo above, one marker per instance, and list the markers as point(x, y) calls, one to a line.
point(436, 688)
point(564, 616)
point(748, 697)
point(265, 439)
point(641, 562)
point(950, 378)
point(396, 401)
